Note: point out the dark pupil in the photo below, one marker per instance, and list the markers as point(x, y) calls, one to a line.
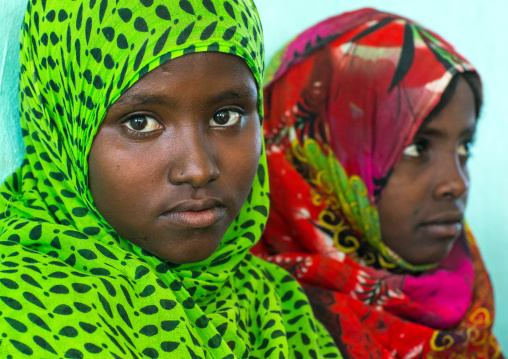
point(419, 147)
point(222, 117)
point(138, 123)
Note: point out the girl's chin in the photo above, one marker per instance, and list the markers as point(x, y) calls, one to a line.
point(431, 254)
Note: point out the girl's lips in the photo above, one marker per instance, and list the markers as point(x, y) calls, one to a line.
point(442, 230)
point(196, 219)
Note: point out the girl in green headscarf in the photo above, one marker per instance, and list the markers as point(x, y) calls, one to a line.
point(125, 232)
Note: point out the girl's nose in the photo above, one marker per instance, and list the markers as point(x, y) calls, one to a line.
point(194, 160)
point(452, 178)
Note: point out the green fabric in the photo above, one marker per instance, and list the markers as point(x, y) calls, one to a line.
point(70, 287)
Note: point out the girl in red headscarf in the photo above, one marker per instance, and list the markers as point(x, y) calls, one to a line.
point(369, 121)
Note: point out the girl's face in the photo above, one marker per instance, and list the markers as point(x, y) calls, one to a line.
point(421, 209)
point(176, 155)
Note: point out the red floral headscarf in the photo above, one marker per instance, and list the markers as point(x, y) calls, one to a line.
point(344, 99)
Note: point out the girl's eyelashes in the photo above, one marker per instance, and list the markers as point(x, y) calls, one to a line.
point(142, 124)
point(226, 117)
point(420, 146)
point(415, 149)
point(464, 148)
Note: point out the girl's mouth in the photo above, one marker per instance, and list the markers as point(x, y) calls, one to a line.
point(447, 225)
point(196, 213)
point(197, 219)
point(442, 230)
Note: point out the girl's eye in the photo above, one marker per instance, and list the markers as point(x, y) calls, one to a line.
point(414, 150)
point(465, 149)
point(142, 123)
point(225, 118)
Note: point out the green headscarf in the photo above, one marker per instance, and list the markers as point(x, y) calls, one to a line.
point(72, 287)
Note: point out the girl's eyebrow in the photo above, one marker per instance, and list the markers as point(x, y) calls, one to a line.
point(227, 95)
point(244, 93)
point(142, 99)
point(426, 131)
point(431, 132)
point(470, 131)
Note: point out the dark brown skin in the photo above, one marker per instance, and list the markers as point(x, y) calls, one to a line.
point(175, 157)
point(421, 209)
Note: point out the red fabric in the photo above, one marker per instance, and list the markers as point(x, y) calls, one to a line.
point(346, 98)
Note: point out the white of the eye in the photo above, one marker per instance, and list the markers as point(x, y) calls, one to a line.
point(234, 117)
point(411, 151)
point(463, 150)
point(151, 124)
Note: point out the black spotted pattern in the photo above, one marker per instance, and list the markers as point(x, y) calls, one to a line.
point(71, 287)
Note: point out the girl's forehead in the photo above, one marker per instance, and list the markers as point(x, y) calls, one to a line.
point(203, 79)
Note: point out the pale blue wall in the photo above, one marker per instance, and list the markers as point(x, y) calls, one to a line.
point(11, 146)
point(476, 28)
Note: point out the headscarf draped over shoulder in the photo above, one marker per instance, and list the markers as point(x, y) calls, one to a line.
point(344, 99)
point(71, 287)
